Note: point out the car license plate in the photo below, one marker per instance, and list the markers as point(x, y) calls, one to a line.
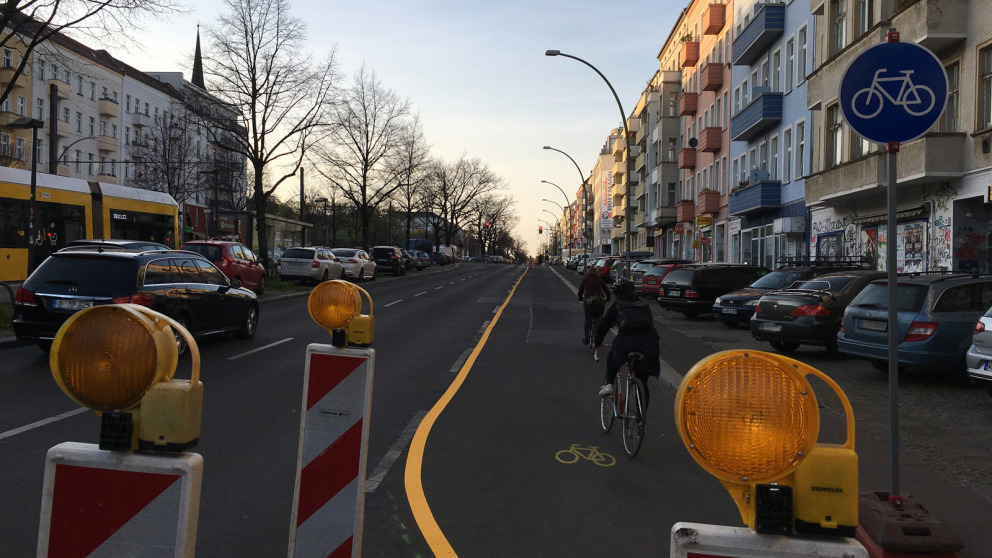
point(987, 365)
point(728, 310)
point(71, 304)
point(771, 327)
point(874, 325)
point(673, 292)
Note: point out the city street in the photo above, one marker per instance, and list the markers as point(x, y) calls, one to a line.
point(490, 474)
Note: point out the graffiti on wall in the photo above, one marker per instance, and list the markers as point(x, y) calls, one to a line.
point(940, 243)
point(828, 225)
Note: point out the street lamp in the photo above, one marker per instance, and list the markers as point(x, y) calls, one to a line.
point(34, 125)
point(557, 227)
point(586, 207)
point(66, 149)
point(627, 139)
point(564, 214)
point(324, 220)
point(568, 200)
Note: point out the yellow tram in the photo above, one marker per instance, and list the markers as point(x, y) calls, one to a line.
point(68, 209)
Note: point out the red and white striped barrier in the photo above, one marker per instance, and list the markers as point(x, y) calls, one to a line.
point(329, 496)
point(102, 503)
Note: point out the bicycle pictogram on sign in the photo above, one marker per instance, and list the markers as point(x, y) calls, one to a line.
point(915, 99)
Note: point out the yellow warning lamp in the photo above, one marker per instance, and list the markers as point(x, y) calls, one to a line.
point(751, 419)
point(119, 360)
point(337, 307)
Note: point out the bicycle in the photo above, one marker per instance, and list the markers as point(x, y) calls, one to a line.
point(627, 404)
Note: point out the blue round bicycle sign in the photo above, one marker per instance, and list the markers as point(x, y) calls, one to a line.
point(893, 92)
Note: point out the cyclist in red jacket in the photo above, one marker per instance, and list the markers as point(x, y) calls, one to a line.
point(593, 294)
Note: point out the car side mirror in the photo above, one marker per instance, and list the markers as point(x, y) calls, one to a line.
point(236, 283)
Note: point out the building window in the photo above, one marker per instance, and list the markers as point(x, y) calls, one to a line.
point(146, 109)
point(773, 151)
point(127, 103)
point(777, 71)
point(863, 22)
point(92, 91)
point(89, 164)
point(79, 159)
point(113, 131)
point(22, 106)
point(790, 61)
point(103, 127)
point(19, 153)
point(8, 58)
point(800, 149)
point(838, 26)
point(859, 145)
point(40, 108)
point(65, 114)
point(106, 93)
point(787, 156)
point(92, 127)
point(79, 85)
point(127, 135)
point(801, 54)
point(949, 120)
point(42, 70)
point(79, 122)
point(985, 65)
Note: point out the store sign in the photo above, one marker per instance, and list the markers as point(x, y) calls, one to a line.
point(704, 221)
point(679, 229)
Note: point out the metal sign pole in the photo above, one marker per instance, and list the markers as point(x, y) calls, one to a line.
point(890, 265)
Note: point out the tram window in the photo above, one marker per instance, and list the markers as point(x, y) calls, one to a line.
point(12, 229)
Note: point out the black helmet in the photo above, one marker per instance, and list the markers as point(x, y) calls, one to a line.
point(623, 285)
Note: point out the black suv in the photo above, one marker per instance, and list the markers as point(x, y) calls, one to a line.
point(182, 285)
point(693, 288)
point(737, 307)
point(389, 258)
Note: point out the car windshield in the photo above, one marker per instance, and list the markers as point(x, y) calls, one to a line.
point(342, 253)
point(298, 254)
point(657, 271)
point(209, 251)
point(778, 280)
point(909, 297)
point(89, 276)
point(641, 266)
point(831, 284)
point(680, 276)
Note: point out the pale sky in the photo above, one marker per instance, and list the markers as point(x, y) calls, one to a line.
point(477, 75)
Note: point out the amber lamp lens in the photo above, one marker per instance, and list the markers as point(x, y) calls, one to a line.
point(107, 359)
point(747, 417)
point(333, 304)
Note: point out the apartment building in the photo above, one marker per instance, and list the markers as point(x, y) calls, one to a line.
point(769, 134)
point(657, 165)
point(704, 32)
point(601, 191)
point(943, 177)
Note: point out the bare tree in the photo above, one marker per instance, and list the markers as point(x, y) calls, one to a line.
point(29, 23)
point(361, 155)
point(256, 64)
point(488, 216)
point(452, 189)
point(412, 158)
point(166, 158)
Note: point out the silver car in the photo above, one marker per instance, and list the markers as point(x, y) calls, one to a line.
point(310, 263)
point(979, 355)
point(358, 264)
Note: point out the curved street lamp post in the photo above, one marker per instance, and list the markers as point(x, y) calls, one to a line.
point(585, 193)
point(627, 139)
point(564, 214)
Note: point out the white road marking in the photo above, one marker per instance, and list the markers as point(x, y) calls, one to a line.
point(394, 453)
point(392, 303)
point(485, 324)
point(253, 351)
point(42, 422)
point(423, 293)
point(438, 288)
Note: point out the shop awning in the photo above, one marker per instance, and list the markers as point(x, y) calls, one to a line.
point(920, 211)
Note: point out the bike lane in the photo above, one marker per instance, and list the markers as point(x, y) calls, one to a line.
point(494, 473)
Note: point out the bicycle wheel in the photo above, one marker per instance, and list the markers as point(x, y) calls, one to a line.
point(867, 103)
point(633, 420)
point(606, 407)
point(567, 456)
point(603, 459)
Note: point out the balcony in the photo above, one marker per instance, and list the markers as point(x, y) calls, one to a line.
point(689, 55)
point(763, 112)
point(687, 158)
point(108, 107)
point(107, 176)
point(755, 197)
point(7, 75)
point(710, 139)
point(61, 128)
point(140, 120)
point(767, 26)
point(712, 76)
point(106, 143)
point(62, 170)
point(688, 103)
point(619, 170)
point(816, 7)
point(61, 88)
point(664, 216)
point(6, 117)
point(639, 162)
point(685, 211)
point(709, 201)
point(619, 149)
point(714, 18)
point(936, 26)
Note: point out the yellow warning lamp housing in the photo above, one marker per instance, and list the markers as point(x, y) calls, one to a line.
point(119, 360)
point(750, 418)
point(337, 307)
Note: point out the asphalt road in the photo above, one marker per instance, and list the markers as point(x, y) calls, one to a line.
point(491, 479)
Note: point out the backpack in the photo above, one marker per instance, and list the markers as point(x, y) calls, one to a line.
point(633, 316)
point(595, 301)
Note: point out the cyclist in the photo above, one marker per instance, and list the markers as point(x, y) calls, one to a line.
point(593, 294)
point(635, 332)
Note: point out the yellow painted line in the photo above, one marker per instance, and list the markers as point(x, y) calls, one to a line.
point(415, 459)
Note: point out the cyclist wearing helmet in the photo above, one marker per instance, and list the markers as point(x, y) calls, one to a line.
point(635, 332)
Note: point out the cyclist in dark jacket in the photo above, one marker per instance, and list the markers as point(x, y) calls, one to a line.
point(593, 294)
point(635, 332)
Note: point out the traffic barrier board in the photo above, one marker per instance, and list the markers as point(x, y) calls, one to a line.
point(102, 503)
point(698, 540)
point(329, 495)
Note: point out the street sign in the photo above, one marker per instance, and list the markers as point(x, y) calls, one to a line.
point(893, 92)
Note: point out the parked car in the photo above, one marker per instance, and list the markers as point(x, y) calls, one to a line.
point(809, 313)
point(604, 265)
point(424, 259)
point(692, 288)
point(409, 260)
point(440, 258)
point(639, 268)
point(358, 264)
point(182, 285)
point(737, 307)
point(112, 243)
point(651, 281)
point(389, 258)
point(312, 263)
point(236, 260)
point(978, 359)
point(937, 314)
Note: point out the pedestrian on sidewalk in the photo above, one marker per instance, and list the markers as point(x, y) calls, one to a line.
point(635, 332)
point(593, 294)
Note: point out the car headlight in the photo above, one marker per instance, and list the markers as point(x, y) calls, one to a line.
point(717, 302)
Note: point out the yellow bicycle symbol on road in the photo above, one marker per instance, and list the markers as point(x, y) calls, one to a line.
point(591, 453)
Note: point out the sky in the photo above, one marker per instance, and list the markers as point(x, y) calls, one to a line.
point(477, 75)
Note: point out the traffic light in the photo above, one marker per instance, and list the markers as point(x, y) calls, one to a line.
point(540, 230)
point(118, 360)
point(751, 419)
point(337, 307)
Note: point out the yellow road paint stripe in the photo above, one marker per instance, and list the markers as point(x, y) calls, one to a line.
point(415, 459)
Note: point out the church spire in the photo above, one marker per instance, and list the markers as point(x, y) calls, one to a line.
point(197, 78)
